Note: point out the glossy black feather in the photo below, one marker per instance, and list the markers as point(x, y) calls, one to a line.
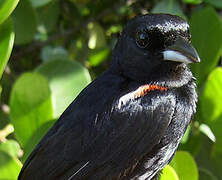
point(101, 137)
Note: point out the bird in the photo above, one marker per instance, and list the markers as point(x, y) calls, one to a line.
point(127, 123)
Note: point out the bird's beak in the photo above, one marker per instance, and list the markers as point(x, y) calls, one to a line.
point(181, 51)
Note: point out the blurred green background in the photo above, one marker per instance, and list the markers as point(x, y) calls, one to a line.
point(60, 46)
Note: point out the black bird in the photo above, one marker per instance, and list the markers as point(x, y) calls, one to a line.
point(126, 124)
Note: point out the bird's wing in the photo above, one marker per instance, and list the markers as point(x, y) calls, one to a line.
point(49, 159)
point(106, 142)
point(137, 128)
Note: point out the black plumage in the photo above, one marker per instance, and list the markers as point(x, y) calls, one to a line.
point(126, 124)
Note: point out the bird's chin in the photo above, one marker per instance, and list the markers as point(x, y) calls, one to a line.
point(175, 75)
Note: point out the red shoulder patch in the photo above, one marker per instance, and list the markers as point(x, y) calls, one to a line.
point(143, 90)
point(140, 92)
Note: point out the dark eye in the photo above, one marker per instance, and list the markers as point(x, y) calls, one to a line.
point(142, 39)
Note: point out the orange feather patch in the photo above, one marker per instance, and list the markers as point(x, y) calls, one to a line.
point(143, 90)
point(140, 92)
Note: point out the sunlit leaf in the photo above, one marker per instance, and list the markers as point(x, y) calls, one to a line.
point(6, 7)
point(185, 166)
point(96, 36)
point(6, 43)
point(66, 79)
point(30, 104)
point(206, 30)
point(207, 131)
point(114, 29)
point(169, 173)
point(9, 166)
point(98, 56)
point(186, 135)
point(11, 147)
point(25, 22)
point(210, 102)
point(192, 1)
point(8, 129)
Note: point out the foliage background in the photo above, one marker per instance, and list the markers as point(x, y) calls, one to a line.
point(61, 45)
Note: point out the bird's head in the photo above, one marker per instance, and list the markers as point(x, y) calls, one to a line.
point(156, 48)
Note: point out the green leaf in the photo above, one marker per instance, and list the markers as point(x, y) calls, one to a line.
point(36, 137)
point(30, 105)
point(6, 43)
point(185, 166)
point(0, 91)
point(11, 147)
point(6, 8)
point(168, 173)
point(205, 174)
point(210, 157)
point(194, 142)
point(192, 1)
point(78, 49)
point(9, 167)
point(96, 36)
point(4, 120)
point(48, 15)
point(216, 155)
point(80, 1)
point(205, 129)
point(206, 30)
point(38, 3)
point(168, 6)
point(217, 151)
point(114, 29)
point(66, 79)
point(216, 3)
point(4, 132)
point(98, 56)
point(210, 102)
point(25, 22)
point(49, 53)
point(186, 135)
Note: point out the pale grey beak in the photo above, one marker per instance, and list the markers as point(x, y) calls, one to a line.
point(181, 51)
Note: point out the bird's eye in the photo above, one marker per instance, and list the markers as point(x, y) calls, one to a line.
point(142, 39)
